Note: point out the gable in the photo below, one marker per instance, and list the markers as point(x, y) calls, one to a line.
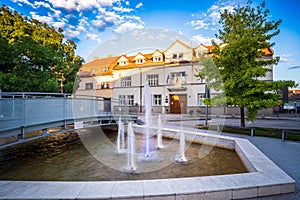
point(123, 58)
point(178, 46)
point(139, 56)
point(201, 48)
point(156, 53)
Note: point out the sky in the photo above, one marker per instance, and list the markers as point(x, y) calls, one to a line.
point(97, 25)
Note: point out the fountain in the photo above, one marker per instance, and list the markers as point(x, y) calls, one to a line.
point(147, 97)
point(121, 137)
point(181, 157)
point(131, 148)
point(159, 134)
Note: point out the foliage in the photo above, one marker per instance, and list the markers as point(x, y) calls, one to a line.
point(34, 56)
point(240, 61)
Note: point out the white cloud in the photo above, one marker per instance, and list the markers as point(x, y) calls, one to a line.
point(80, 4)
point(199, 24)
point(71, 33)
point(286, 58)
point(100, 24)
point(41, 3)
point(202, 39)
point(67, 4)
point(128, 26)
point(86, 17)
point(59, 24)
point(122, 10)
point(38, 4)
point(48, 19)
point(23, 1)
point(95, 37)
point(139, 5)
point(112, 17)
point(210, 18)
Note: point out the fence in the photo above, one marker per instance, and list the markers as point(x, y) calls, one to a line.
point(26, 112)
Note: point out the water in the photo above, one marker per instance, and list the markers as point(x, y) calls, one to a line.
point(131, 149)
point(63, 157)
point(181, 157)
point(147, 98)
point(121, 137)
point(159, 134)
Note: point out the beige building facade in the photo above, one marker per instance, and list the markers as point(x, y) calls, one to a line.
point(169, 73)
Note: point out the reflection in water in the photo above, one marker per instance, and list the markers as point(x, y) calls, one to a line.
point(63, 157)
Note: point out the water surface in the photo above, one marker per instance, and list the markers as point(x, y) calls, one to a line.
point(63, 157)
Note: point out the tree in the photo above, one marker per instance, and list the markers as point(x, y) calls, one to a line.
point(34, 56)
point(241, 61)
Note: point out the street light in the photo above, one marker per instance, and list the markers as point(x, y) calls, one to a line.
point(207, 95)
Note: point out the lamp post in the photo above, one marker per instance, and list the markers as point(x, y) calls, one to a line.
point(207, 95)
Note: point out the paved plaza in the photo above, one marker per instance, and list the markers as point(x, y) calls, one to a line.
point(284, 154)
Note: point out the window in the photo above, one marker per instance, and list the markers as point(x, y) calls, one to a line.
point(122, 99)
point(89, 86)
point(157, 100)
point(153, 79)
point(178, 78)
point(139, 61)
point(177, 55)
point(130, 99)
point(157, 59)
point(126, 100)
point(105, 69)
point(123, 63)
point(104, 85)
point(201, 97)
point(126, 82)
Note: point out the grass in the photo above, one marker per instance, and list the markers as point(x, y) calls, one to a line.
point(290, 134)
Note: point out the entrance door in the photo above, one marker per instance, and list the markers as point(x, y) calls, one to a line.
point(178, 103)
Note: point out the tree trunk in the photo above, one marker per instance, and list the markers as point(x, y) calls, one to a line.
point(242, 113)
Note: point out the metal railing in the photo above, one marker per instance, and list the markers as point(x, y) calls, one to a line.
point(22, 112)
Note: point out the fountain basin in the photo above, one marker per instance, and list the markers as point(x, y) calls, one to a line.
point(265, 178)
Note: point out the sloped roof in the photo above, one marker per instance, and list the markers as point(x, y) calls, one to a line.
point(178, 42)
point(131, 62)
point(105, 66)
point(97, 66)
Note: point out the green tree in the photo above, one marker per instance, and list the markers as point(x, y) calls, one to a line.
point(34, 56)
point(241, 60)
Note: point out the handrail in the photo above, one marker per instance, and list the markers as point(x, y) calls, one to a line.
point(46, 94)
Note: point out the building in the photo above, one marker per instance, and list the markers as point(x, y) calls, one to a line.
point(169, 73)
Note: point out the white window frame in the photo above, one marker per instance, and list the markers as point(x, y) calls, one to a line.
point(157, 59)
point(130, 100)
point(126, 82)
point(179, 75)
point(200, 98)
point(152, 79)
point(157, 100)
point(122, 99)
point(89, 86)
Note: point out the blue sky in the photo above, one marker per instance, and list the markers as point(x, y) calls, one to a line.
point(91, 23)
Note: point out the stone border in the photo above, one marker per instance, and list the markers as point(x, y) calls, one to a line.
point(265, 178)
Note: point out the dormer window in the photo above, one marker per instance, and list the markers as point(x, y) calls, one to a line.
point(123, 63)
point(177, 55)
point(157, 59)
point(105, 69)
point(139, 61)
point(157, 56)
point(139, 58)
